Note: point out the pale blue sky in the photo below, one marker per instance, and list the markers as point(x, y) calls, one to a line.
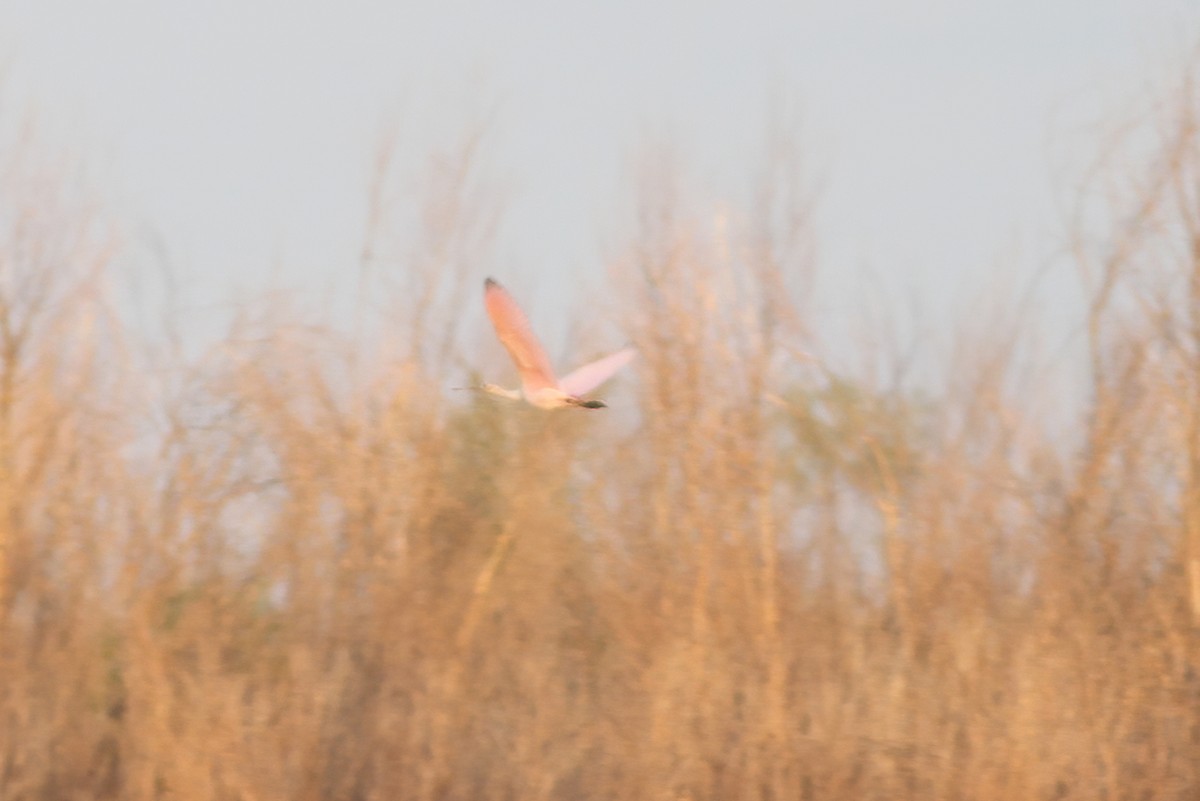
point(243, 132)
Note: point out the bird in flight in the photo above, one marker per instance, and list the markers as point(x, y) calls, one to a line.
point(538, 384)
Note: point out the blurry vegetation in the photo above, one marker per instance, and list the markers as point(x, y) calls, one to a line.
point(306, 570)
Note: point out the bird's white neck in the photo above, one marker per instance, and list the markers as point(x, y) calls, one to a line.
point(511, 394)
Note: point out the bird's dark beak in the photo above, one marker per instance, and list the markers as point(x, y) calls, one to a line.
point(593, 404)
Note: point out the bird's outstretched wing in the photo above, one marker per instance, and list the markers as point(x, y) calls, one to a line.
point(592, 375)
point(512, 327)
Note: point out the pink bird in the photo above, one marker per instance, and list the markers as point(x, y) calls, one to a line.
point(538, 384)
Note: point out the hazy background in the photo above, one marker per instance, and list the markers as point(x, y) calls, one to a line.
point(236, 141)
point(285, 561)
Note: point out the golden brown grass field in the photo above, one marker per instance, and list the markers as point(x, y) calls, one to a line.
point(298, 566)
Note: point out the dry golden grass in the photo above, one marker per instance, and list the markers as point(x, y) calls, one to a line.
point(309, 572)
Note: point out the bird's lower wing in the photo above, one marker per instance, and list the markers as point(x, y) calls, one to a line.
point(592, 375)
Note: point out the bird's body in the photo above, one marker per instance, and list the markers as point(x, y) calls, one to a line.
point(538, 383)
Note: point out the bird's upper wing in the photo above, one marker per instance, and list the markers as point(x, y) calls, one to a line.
point(514, 332)
point(592, 375)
